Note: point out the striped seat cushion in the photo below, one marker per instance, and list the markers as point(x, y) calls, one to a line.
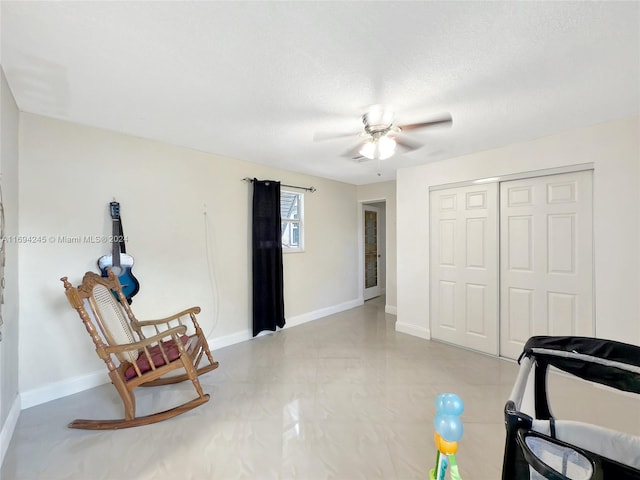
point(170, 350)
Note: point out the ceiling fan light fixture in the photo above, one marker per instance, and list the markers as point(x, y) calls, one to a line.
point(386, 147)
point(368, 150)
point(379, 148)
point(378, 115)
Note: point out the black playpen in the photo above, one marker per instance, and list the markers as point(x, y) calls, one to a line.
point(540, 446)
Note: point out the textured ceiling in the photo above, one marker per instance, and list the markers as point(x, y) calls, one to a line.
point(256, 80)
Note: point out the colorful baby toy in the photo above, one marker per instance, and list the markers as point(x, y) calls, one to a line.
point(449, 430)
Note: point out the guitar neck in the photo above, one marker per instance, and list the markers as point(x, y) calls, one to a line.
point(115, 246)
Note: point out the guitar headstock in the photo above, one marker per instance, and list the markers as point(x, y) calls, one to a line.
point(114, 207)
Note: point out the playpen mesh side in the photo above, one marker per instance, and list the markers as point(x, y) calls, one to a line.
point(563, 459)
point(621, 447)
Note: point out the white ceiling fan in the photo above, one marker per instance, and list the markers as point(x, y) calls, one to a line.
point(381, 136)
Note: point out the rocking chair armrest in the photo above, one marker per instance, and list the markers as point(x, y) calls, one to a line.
point(144, 323)
point(124, 347)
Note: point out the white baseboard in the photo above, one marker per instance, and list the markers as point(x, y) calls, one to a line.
point(391, 309)
point(414, 330)
point(323, 312)
point(9, 426)
point(53, 391)
point(36, 396)
point(227, 340)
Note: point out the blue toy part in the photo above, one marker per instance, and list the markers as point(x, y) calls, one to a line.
point(449, 427)
point(447, 423)
point(449, 404)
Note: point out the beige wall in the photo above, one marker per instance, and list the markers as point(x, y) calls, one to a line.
point(614, 150)
point(69, 174)
point(9, 400)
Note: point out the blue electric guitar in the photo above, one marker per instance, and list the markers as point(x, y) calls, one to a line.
point(119, 262)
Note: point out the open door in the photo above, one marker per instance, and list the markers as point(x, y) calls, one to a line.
point(372, 251)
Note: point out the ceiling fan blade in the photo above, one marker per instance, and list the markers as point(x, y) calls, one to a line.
point(413, 126)
point(407, 144)
point(322, 136)
point(354, 153)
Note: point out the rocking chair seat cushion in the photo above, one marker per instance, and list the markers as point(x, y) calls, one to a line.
point(170, 349)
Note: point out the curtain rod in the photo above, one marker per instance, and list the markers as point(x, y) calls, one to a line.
point(308, 189)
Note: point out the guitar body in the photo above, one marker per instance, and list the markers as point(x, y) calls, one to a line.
point(119, 262)
point(130, 284)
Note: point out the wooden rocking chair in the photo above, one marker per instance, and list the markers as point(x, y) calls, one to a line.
point(173, 354)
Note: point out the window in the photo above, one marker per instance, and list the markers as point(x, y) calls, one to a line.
point(291, 213)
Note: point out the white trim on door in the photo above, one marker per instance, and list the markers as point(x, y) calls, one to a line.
point(579, 167)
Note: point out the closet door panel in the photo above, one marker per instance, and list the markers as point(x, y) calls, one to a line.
point(464, 266)
point(546, 258)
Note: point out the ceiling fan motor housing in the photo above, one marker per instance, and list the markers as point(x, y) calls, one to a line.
point(378, 125)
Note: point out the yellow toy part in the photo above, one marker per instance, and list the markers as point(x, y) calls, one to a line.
point(445, 447)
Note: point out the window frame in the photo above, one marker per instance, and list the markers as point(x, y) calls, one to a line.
point(299, 222)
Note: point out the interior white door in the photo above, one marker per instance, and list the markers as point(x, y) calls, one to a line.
point(371, 241)
point(464, 266)
point(546, 258)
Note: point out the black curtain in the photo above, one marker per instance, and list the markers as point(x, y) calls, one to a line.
point(268, 295)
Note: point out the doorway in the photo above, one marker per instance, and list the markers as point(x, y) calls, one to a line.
point(510, 260)
point(373, 249)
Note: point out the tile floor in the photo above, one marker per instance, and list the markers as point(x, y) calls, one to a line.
point(344, 397)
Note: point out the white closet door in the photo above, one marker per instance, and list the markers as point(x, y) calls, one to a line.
point(464, 266)
point(546, 257)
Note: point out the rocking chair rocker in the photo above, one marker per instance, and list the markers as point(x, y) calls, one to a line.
point(170, 355)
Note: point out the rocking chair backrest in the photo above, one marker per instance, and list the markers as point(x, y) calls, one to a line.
point(95, 302)
point(111, 320)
